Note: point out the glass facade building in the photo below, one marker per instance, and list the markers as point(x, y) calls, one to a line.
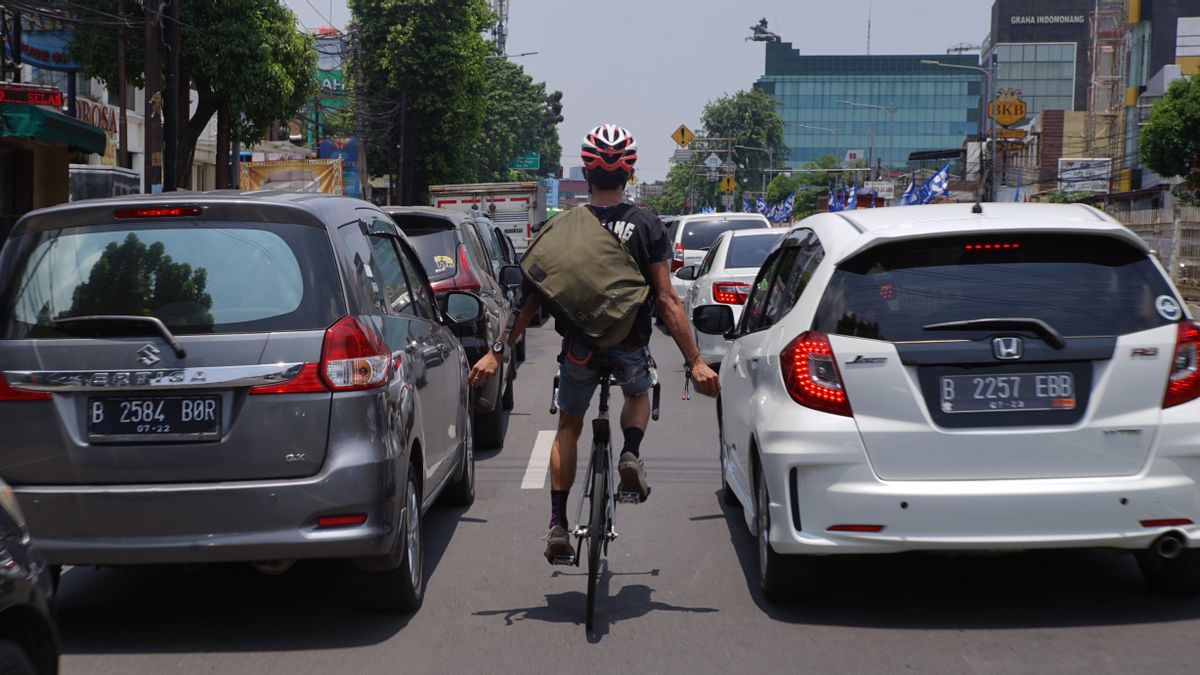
point(834, 104)
point(1043, 72)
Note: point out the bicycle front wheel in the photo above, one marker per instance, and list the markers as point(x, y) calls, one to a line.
point(597, 528)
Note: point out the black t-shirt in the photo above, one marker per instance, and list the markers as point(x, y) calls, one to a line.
point(644, 237)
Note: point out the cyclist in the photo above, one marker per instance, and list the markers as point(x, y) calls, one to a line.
point(609, 153)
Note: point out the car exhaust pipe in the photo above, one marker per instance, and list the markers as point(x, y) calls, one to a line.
point(1169, 546)
point(272, 568)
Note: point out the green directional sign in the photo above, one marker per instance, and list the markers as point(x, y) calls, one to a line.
point(530, 160)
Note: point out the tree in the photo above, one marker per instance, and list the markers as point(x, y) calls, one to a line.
point(520, 118)
point(749, 118)
point(423, 82)
point(1170, 141)
point(243, 57)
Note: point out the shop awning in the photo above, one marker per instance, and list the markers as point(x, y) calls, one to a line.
point(46, 126)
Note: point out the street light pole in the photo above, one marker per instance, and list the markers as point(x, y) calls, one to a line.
point(988, 82)
point(770, 163)
point(837, 135)
point(890, 109)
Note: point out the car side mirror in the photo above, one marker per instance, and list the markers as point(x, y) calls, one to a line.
point(511, 276)
point(686, 273)
point(463, 308)
point(713, 319)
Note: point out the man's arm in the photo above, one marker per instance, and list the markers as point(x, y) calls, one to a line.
point(670, 308)
point(486, 367)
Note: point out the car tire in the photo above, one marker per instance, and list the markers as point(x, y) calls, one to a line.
point(1174, 576)
point(461, 492)
point(489, 428)
point(781, 577)
point(402, 588)
point(519, 350)
point(14, 660)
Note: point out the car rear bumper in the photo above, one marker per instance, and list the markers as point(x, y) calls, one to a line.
point(215, 522)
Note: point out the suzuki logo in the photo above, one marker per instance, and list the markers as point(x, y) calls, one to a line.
point(1008, 348)
point(148, 355)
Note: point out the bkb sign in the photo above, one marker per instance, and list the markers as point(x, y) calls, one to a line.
point(1008, 108)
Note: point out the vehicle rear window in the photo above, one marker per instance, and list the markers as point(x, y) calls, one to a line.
point(700, 234)
point(1081, 285)
point(750, 251)
point(434, 242)
point(205, 277)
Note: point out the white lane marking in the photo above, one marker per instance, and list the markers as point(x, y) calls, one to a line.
point(539, 462)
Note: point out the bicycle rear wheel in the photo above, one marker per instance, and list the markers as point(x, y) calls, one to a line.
point(597, 528)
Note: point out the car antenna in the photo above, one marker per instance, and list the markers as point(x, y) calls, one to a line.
point(978, 207)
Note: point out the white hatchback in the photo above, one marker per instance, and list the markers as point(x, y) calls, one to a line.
point(724, 278)
point(927, 378)
point(691, 236)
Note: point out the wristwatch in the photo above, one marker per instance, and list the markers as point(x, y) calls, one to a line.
point(498, 347)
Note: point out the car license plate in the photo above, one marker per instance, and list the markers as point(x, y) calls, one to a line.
point(1007, 392)
point(154, 418)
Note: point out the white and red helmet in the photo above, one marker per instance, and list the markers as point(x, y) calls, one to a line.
point(609, 147)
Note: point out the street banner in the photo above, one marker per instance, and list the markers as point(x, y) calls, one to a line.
point(293, 175)
point(345, 149)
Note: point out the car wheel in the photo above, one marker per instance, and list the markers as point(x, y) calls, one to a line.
point(727, 494)
point(1175, 576)
point(462, 491)
point(403, 588)
point(519, 349)
point(14, 660)
point(781, 577)
point(489, 428)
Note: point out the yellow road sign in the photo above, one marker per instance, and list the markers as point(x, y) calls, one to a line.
point(683, 136)
point(728, 184)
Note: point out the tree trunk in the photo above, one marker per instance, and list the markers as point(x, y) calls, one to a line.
point(222, 155)
point(186, 151)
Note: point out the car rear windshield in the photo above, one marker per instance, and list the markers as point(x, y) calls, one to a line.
point(700, 234)
point(751, 250)
point(205, 277)
point(435, 243)
point(1081, 285)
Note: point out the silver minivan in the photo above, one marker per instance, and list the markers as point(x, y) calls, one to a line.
point(230, 377)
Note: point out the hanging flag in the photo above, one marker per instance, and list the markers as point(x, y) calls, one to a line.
point(760, 206)
point(852, 197)
point(788, 205)
point(745, 204)
point(909, 195)
point(936, 186)
point(833, 202)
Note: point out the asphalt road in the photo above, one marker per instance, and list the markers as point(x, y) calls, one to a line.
point(680, 594)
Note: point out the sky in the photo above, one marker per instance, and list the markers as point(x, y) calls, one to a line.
point(651, 65)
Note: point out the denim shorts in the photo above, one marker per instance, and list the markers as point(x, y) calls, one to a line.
point(577, 383)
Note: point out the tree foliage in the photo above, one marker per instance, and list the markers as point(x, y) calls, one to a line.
point(749, 118)
point(520, 118)
point(423, 82)
point(243, 54)
point(1170, 141)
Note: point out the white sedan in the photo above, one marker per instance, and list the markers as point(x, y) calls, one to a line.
point(724, 277)
point(929, 378)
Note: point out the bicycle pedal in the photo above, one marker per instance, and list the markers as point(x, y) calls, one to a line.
point(561, 560)
point(629, 498)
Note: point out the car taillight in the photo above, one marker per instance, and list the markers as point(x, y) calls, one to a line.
point(463, 280)
point(730, 292)
point(353, 357)
point(811, 374)
point(7, 393)
point(307, 381)
point(677, 260)
point(1184, 383)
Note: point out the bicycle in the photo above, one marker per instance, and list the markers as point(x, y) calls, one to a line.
point(600, 493)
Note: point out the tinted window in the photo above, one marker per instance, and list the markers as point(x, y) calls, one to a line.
point(702, 233)
point(437, 251)
point(422, 296)
point(1080, 285)
point(202, 278)
point(389, 277)
point(750, 251)
point(480, 263)
point(488, 235)
point(752, 316)
point(707, 263)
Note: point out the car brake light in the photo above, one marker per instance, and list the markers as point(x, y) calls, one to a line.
point(1184, 383)
point(173, 212)
point(854, 528)
point(677, 260)
point(307, 381)
point(8, 393)
point(1166, 522)
point(342, 521)
point(991, 247)
point(463, 280)
point(811, 374)
point(730, 292)
point(353, 357)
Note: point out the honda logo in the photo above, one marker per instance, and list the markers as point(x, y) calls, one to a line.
point(148, 355)
point(1008, 348)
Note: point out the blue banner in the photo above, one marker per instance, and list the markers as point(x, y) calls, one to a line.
point(345, 149)
point(45, 49)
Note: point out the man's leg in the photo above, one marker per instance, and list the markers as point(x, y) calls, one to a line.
point(635, 415)
point(575, 387)
point(563, 455)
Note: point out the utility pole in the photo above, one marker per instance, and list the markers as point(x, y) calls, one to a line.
point(123, 132)
point(152, 167)
point(170, 34)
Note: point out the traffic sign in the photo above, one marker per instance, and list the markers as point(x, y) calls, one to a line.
point(727, 200)
point(683, 136)
point(712, 161)
point(530, 160)
point(713, 175)
point(729, 166)
point(683, 155)
point(728, 184)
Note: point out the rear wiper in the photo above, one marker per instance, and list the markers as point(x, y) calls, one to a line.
point(1043, 329)
point(150, 321)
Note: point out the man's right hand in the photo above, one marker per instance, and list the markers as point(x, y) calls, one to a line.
point(705, 380)
point(483, 370)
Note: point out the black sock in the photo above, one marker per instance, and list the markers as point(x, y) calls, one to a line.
point(633, 441)
point(558, 507)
